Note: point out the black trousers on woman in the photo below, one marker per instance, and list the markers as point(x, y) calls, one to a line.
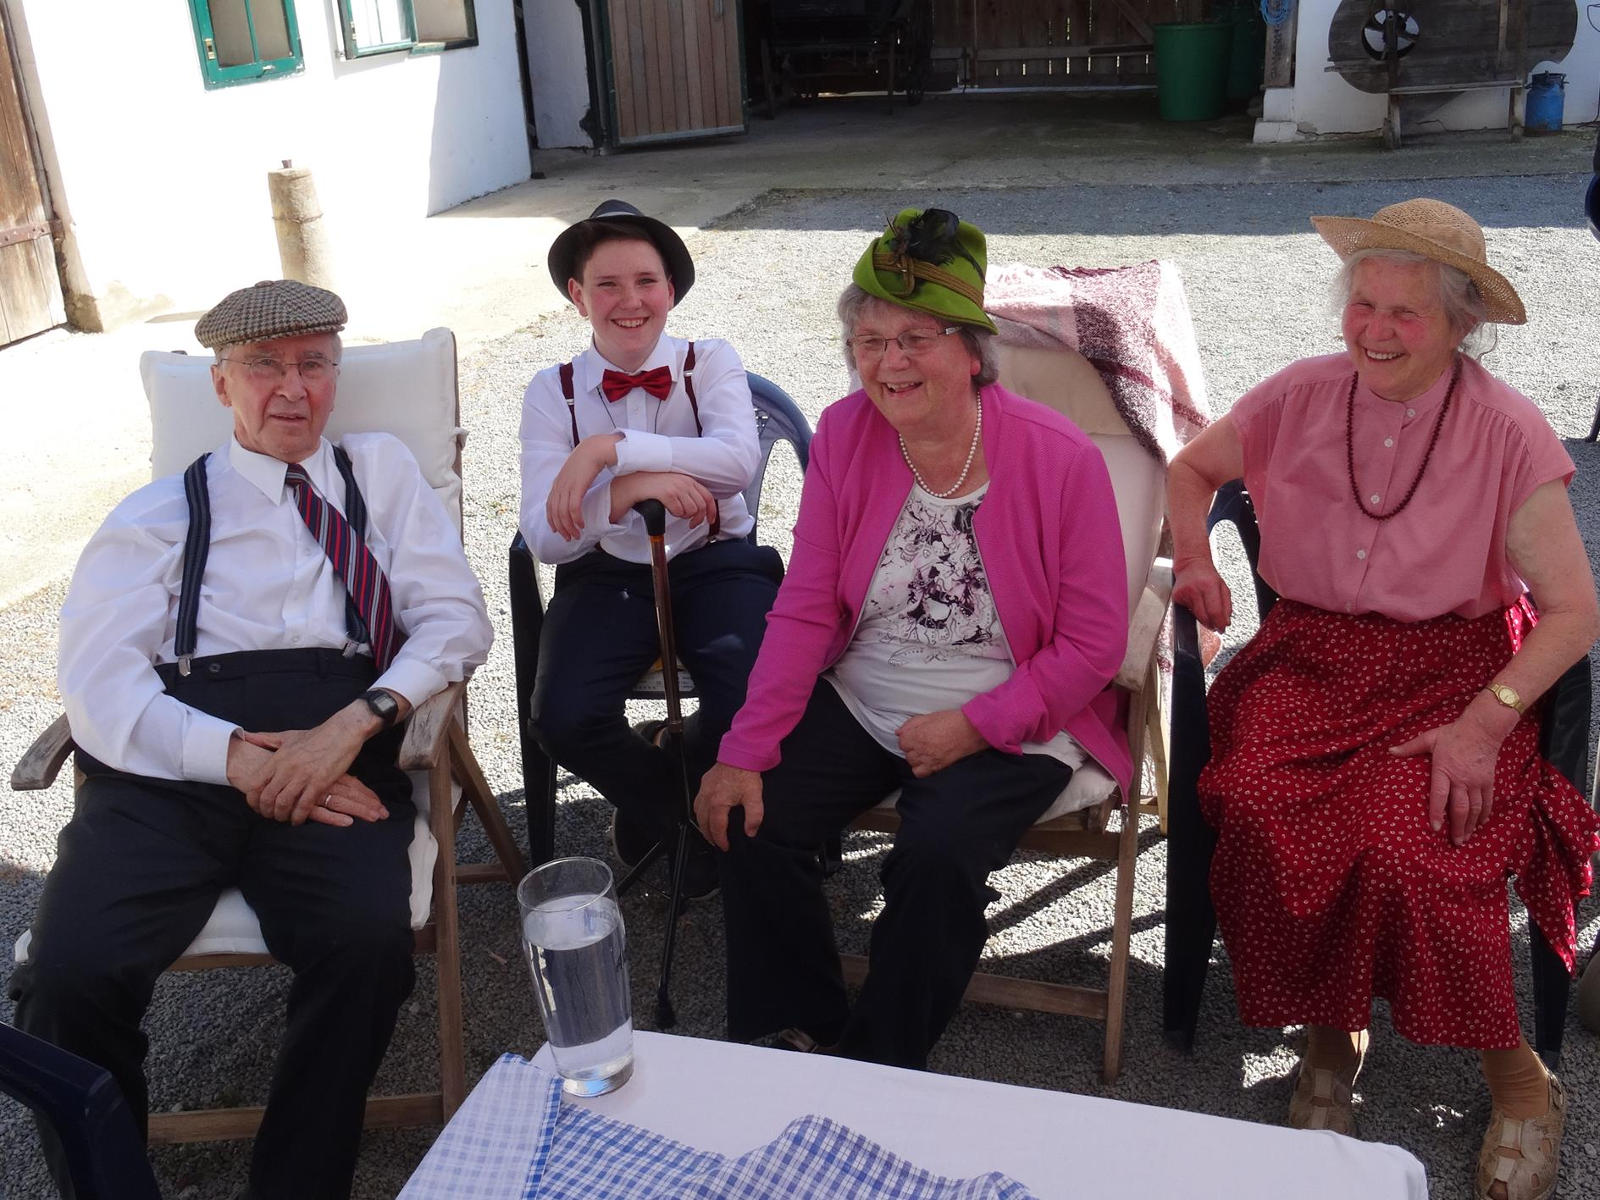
point(139, 868)
point(957, 826)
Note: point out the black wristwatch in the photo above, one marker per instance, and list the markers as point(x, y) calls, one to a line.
point(384, 706)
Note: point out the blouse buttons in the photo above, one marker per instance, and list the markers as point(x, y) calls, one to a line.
point(1361, 554)
point(1375, 498)
point(1388, 443)
point(1411, 412)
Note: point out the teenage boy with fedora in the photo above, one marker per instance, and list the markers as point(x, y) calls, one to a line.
point(238, 647)
point(639, 415)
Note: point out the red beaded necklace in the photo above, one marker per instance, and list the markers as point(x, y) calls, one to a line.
point(1350, 446)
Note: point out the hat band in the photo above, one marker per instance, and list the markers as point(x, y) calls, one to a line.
point(911, 269)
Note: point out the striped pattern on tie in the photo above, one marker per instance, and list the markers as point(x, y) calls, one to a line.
point(352, 561)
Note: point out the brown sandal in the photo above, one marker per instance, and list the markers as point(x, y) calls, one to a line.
point(1324, 1098)
point(1532, 1176)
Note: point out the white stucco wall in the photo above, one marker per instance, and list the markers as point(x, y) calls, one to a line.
point(560, 72)
point(163, 182)
point(1325, 103)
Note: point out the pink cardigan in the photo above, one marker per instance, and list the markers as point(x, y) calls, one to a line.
point(1052, 548)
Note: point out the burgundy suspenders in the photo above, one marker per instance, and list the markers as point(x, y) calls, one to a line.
point(569, 393)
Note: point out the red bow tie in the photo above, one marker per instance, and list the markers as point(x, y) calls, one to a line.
point(617, 384)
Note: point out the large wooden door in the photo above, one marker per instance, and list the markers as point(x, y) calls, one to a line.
point(30, 289)
point(675, 69)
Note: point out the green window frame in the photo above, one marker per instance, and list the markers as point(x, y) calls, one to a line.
point(414, 26)
point(241, 41)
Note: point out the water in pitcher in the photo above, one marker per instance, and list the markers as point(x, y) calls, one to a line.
point(579, 961)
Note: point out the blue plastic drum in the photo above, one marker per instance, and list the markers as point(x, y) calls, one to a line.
point(1546, 100)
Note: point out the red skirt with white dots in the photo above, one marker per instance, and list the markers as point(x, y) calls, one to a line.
point(1330, 887)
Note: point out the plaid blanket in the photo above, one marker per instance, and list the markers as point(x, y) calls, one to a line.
point(1131, 323)
point(515, 1138)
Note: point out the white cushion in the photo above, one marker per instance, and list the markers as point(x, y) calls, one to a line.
point(404, 388)
point(1089, 786)
point(232, 927)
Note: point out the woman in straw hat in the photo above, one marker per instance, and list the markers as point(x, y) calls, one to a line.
point(1375, 773)
point(955, 606)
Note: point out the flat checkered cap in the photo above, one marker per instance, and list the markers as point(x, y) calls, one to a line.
point(274, 308)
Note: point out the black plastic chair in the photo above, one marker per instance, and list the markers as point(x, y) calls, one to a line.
point(83, 1105)
point(778, 419)
point(1192, 922)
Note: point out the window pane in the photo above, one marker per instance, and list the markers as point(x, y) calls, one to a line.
point(232, 33)
point(378, 22)
point(442, 20)
point(272, 28)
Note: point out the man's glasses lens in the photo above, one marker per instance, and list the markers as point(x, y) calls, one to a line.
point(271, 370)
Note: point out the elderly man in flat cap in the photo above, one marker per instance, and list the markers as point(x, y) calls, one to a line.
point(238, 646)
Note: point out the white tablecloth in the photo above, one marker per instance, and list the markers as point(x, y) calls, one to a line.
point(727, 1098)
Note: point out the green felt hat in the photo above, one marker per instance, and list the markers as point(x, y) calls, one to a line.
point(932, 261)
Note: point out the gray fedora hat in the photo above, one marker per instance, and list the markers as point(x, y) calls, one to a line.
point(564, 250)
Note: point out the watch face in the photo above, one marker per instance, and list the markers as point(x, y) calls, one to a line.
point(382, 704)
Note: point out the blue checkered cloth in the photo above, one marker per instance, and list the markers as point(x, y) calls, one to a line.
point(515, 1138)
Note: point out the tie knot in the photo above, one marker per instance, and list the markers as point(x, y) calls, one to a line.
point(295, 476)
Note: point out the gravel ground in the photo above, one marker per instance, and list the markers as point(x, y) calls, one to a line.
point(1257, 280)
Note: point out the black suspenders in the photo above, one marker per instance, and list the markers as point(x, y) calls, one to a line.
point(688, 387)
point(197, 547)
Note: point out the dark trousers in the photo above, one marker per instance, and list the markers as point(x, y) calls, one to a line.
point(600, 636)
point(957, 826)
point(138, 870)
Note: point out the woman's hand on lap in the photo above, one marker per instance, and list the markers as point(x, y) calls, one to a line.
point(1461, 788)
point(933, 741)
point(722, 789)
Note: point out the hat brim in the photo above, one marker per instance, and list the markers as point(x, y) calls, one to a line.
point(1349, 234)
point(674, 254)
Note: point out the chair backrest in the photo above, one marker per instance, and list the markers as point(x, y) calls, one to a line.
point(86, 1109)
point(778, 419)
point(404, 388)
point(1067, 382)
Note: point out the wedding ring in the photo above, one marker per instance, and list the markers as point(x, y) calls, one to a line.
point(327, 799)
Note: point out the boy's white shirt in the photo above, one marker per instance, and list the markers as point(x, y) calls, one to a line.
point(658, 435)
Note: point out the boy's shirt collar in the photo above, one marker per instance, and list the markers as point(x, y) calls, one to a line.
point(596, 364)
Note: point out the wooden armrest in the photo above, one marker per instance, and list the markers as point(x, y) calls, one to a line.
point(428, 728)
point(39, 766)
point(1145, 626)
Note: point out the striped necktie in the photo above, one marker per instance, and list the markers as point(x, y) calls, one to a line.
point(352, 561)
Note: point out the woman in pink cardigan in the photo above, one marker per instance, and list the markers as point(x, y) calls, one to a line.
point(954, 612)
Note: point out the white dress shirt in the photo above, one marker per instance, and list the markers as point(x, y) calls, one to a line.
point(268, 585)
point(658, 435)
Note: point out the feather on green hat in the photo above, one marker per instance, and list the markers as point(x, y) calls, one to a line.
point(932, 261)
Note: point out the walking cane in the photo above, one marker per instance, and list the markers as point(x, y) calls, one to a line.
point(655, 522)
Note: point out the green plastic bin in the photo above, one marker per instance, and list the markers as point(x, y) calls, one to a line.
point(1192, 70)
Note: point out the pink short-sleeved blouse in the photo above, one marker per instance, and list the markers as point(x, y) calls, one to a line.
point(1446, 552)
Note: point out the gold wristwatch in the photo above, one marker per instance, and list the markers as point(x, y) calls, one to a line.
point(1507, 696)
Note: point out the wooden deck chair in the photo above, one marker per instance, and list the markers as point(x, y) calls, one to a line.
point(1075, 826)
point(407, 389)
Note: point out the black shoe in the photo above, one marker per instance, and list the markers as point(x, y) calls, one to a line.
point(701, 877)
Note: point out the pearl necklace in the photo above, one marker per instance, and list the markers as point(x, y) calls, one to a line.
point(966, 469)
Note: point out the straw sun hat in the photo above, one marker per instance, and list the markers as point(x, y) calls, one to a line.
point(1434, 230)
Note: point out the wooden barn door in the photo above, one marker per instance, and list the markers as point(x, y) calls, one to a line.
point(675, 68)
point(1051, 43)
point(30, 289)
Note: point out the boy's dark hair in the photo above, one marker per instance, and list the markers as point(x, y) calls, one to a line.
point(589, 236)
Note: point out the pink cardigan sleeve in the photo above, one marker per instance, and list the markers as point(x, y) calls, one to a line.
point(1073, 660)
point(804, 622)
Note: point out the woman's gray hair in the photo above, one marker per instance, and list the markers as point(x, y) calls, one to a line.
point(980, 343)
point(1464, 307)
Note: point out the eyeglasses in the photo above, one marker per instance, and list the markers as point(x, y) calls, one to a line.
point(274, 370)
point(912, 342)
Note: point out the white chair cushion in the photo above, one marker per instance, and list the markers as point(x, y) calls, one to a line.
point(1088, 786)
point(404, 388)
point(232, 927)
